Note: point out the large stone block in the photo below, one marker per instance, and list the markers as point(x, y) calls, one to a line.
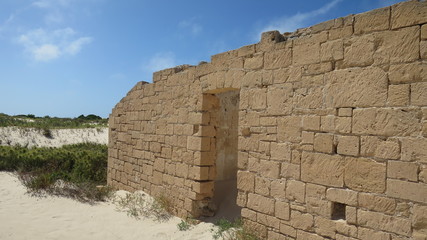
point(260, 203)
point(389, 149)
point(345, 196)
point(347, 230)
point(419, 219)
point(356, 88)
point(407, 72)
point(278, 58)
point(369, 234)
point(290, 171)
point(387, 122)
point(306, 52)
point(269, 169)
point(366, 175)
point(282, 210)
point(398, 95)
point(311, 123)
point(408, 13)
point(278, 189)
point(245, 181)
point(402, 170)
point(295, 191)
point(254, 62)
point(397, 46)
point(384, 222)
point(316, 202)
point(279, 99)
point(419, 94)
point(324, 142)
point(375, 20)
point(198, 143)
point(332, 50)
point(359, 51)
point(287, 230)
point(308, 98)
point(348, 145)
point(377, 203)
point(339, 33)
point(289, 129)
point(268, 220)
point(254, 98)
point(301, 235)
point(280, 151)
point(262, 186)
point(322, 169)
point(407, 190)
point(325, 227)
point(302, 221)
point(414, 149)
point(249, 214)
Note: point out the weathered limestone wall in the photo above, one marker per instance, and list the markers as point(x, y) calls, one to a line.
point(332, 130)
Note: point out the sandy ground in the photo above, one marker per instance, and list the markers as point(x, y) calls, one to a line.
point(32, 137)
point(25, 217)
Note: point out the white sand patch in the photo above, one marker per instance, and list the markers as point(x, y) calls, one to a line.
point(25, 217)
point(32, 137)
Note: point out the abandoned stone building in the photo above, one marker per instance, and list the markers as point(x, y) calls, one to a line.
point(316, 134)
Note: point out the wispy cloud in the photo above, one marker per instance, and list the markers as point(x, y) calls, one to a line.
point(43, 45)
point(191, 24)
point(54, 9)
point(7, 22)
point(160, 61)
point(51, 3)
point(298, 20)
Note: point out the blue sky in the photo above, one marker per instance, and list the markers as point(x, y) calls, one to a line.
point(70, 57)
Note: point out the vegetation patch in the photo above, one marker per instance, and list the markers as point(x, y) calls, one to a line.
point(139, 205)
point(232, 230)
point(46, 122)
point(78, 171)
point(187, 224)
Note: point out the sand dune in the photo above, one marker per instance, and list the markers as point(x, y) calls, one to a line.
point(32, 137)
point(25, 217)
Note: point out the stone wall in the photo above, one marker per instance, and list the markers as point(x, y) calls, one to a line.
point(331, 135)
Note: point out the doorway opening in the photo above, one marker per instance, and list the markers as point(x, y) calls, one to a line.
point(223, 112)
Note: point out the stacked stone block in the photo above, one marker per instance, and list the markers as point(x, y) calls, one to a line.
point(332, 130)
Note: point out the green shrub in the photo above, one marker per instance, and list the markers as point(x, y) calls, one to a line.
point(47, 122)
point(81, 167)
point(47, 133)
point(183, 225)
point(137, 205)
point(232, 230)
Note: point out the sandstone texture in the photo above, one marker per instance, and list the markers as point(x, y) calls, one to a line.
point(323, 131)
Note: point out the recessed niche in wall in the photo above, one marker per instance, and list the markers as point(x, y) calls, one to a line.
point(338, 211)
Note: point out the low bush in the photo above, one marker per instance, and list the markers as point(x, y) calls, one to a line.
point(139, 205)
point(232, 230)
point(31, 121)
point(75, 171)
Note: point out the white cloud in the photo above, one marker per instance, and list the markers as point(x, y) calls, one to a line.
point(51, 3)
point(75, 46)
point(54, 17)
point(45, 45)
point(192, 25)
point(46, 52)
point(160, 61)
point(292, 23)
point(7, 22)
point(54, 9)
